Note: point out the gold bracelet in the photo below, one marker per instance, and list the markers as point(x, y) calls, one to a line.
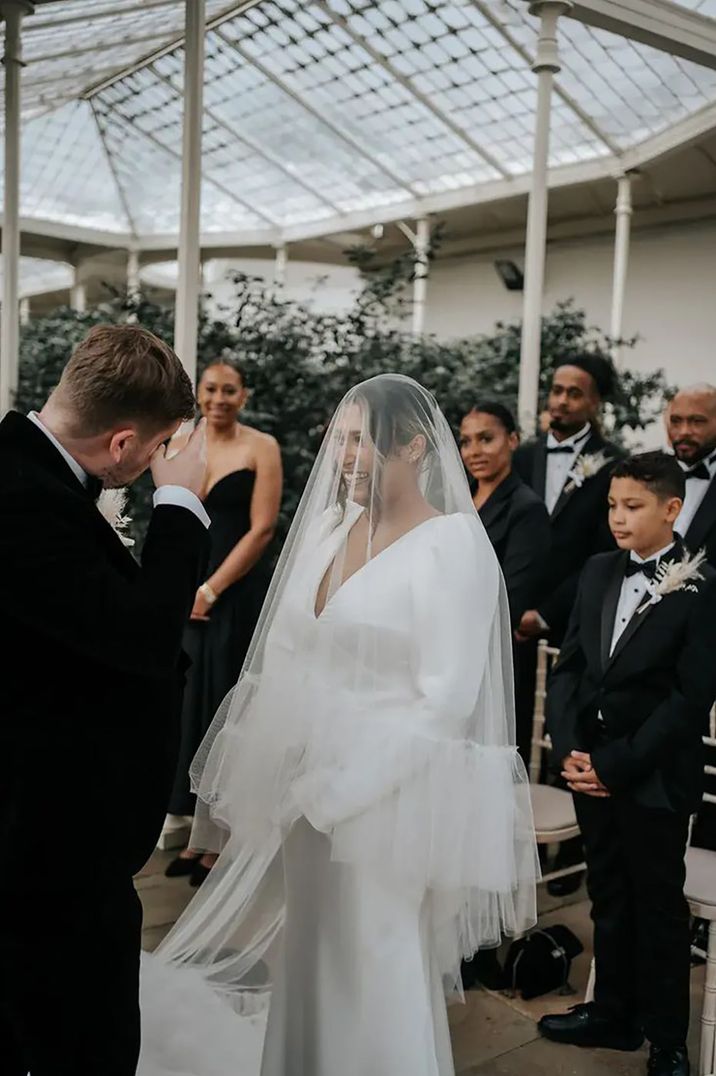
point(208, 593)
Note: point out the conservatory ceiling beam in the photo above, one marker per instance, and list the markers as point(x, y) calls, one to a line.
point(207, 177)
point(109, 13)
point(255, 146)
point(384, 63)
point(662, 25)
point(229, 12)
point(98, 46)
point(479, 194)
point(483, 6)
point(335, 130)
point(680, 136)
point(113, 170)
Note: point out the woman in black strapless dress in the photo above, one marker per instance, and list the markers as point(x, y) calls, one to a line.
point(243, 496)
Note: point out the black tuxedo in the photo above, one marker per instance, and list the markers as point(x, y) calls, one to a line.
point(702, 531)
point(517, 525)
point(579, 526)
point(92, 680)
point(702, 535)
point(654, 692)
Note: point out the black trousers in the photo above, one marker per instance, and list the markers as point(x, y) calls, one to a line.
point(69, 982)
point(635, 877)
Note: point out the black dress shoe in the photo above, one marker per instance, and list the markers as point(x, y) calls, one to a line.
point(181, 867)
point(566, 885)
point(584, 1025)
point(673, 1062)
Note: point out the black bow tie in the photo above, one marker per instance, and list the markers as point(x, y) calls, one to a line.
point(561, 448)
point(699, 471)
point(647, 568)
point(94, 486)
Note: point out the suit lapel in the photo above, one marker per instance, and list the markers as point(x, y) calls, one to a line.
point(647, 608)
point(594, 443)
point(499, 501)
point(609, 605)
point(704, 519)
point(539, 467)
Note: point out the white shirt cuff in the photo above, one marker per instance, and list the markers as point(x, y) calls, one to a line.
point(541, 621)
point(181, 498)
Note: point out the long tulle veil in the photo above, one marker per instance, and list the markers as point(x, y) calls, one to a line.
point(426, 786)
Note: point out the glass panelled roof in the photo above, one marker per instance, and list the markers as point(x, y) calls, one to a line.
point(318, 109)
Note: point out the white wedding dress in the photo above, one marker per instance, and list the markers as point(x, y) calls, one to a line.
point(358, 988)
point(364, 769)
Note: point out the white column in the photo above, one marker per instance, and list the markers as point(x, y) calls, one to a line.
point(24, 311)
point(187, 297)
point(420, 281)
point(546, 65)
point(133, 281)
point(78, 292)
point(12, 12)
point(280, 265)
point(623, 212)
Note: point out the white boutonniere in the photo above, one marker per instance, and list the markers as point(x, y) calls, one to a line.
point(585, 466)
point(674, 575)
point(111, 504)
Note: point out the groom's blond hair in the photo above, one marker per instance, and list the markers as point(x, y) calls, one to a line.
point(125, 374)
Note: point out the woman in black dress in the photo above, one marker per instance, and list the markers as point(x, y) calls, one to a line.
point(514, 517)
point(242, 496)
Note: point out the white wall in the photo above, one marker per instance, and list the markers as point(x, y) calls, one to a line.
point(325, 288)
point(670, 299)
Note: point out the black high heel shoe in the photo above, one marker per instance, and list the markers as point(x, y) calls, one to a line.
point(182, 866)
point(199, 874)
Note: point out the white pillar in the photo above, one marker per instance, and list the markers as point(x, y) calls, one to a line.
point(133, 281)
point(24, 311)
point(11, 11)
point(623, 212)
point(187, 297)
point(280, 265)
point(546, 65)
point(420, 280)
point(78, 292)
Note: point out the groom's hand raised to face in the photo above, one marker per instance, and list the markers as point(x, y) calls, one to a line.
point(187, 468)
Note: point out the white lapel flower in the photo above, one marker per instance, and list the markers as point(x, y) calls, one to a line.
point(586, 466)
point(674, 575)
point(111, 504)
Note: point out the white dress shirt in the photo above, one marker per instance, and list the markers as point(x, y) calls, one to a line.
point(695, 492)
point(633, 593)
point(559, 464)
point(178, 496)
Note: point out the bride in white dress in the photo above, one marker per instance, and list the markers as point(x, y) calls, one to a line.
point(364, 768)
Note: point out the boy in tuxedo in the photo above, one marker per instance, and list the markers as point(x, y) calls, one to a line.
point(626, 712)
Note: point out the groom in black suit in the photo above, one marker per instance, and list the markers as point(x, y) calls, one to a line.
point(91, 681)
point(626, 711)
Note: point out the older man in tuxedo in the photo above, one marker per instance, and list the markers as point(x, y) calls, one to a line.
point(691, 428)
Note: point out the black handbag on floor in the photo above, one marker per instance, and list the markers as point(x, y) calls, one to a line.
point(540, 962)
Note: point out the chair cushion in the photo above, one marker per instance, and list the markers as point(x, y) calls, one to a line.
point(700, 885)
point(553, 809)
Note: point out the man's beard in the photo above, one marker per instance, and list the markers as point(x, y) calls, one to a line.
point(561, 424)
point(696, 453)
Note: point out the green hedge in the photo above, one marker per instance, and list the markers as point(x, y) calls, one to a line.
point(299, 363)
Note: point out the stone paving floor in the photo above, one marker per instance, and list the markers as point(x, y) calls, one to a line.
point(493, 1035)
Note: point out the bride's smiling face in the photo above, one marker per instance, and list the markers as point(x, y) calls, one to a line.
point(355, 453)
